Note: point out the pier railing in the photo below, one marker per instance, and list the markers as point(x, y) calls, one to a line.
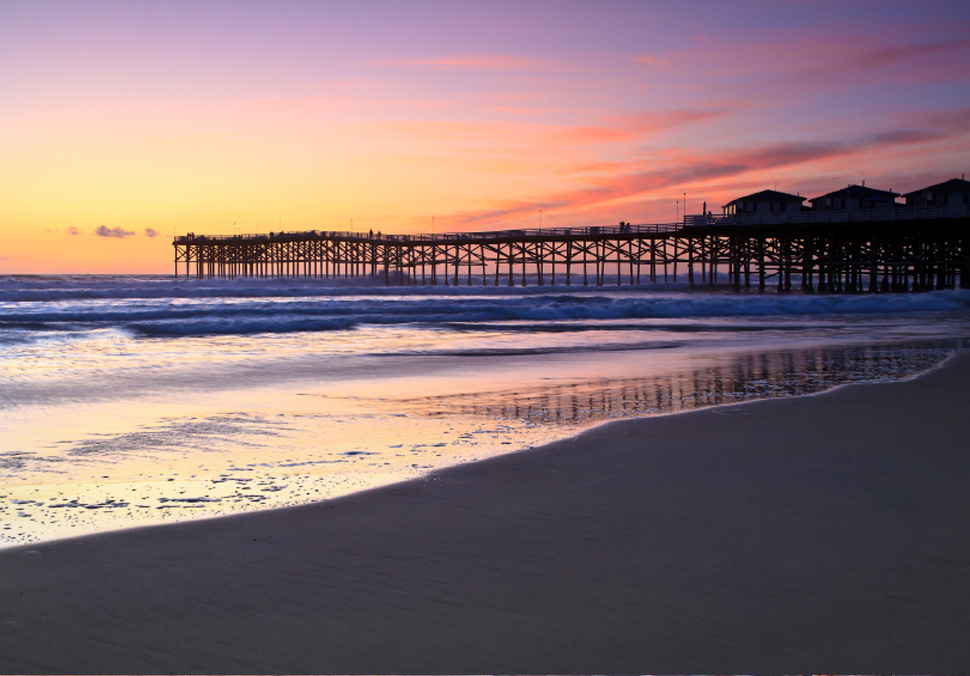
point(840, 216)
point(587, 231)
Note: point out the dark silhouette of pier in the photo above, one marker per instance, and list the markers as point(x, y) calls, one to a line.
point(894, 249)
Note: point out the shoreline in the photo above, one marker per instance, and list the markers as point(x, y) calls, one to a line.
point(241, 449)
point(827, 529)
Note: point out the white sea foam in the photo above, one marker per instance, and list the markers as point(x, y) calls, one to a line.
point(163, 307)
point(134, 399)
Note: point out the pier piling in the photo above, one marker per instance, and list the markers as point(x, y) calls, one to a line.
point(914, 251)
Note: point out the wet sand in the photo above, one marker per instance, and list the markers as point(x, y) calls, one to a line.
point(822, 533)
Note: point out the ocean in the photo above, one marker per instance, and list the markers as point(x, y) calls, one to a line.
point(132, 400)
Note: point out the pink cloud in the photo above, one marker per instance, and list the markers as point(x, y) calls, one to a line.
point(523, 110)
point(678, 170)
point(481, 62)
point(627, 129)
point(634, 126)
point(944, 121)
point(652, 121)
point(887, 56)
point(814, 59)
point(649, 60)
point(310, 106)
point(840, 59)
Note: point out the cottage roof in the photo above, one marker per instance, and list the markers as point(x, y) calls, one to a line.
point(767, 196)
point(953, 185)
point(860, 192)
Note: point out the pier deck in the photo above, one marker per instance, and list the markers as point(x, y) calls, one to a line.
point(881, 250)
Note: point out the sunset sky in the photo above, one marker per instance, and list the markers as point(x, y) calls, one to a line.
point(122, 123)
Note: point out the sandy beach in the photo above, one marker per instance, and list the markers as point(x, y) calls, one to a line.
point(820, 533)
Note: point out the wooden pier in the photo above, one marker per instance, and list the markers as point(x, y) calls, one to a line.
point(901, 249)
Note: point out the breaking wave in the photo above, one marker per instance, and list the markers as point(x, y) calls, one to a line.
point(158, 306)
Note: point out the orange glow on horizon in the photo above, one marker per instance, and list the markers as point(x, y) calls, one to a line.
point(233, 132)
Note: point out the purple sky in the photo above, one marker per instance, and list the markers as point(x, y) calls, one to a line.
point(225, 116)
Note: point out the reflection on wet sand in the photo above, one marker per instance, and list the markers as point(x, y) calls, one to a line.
point(305, 449)
point(741, 378)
